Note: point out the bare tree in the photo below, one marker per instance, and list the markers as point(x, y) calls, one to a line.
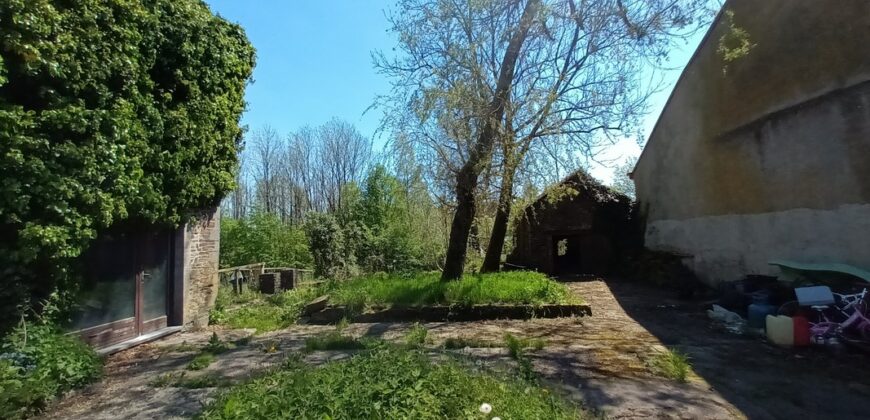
point(266, 147)
point(441, 45)
point(344, 154)
point(574, 81)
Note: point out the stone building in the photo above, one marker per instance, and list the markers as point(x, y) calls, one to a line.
point(577, 227)
point(140, 283)
point(766, 156)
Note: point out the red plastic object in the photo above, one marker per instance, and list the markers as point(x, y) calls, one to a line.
point(801, 331)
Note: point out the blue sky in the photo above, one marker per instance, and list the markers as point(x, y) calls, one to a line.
point(314, 63)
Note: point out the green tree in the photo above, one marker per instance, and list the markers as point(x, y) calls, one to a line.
point(110, 110)
point(332, 257)
point(263, 237)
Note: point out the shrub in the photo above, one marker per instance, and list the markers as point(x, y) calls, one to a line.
point(386, 383)
point(332, 257)
point(263, 237)
point(37, 363)
point(110, 111)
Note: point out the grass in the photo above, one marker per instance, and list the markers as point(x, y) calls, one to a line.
point(209, 351)
point(517, 349)
point(335, 340)
point(260, 312)
point(386, 383)
point(417, 336)
point(517, 345)
point(514, 287)
point(671, 364)
point(201, 361)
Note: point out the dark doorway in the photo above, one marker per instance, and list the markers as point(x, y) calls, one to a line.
point(124, 290)
point(567, 258)
point(586, 253)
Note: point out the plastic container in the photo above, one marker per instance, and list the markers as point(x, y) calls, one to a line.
point(760, 297)
point(801, 331)
point(780, 330)
point(758, 312)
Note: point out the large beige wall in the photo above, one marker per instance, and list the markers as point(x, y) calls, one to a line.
point(769, 156)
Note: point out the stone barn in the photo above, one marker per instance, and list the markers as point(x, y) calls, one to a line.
point(766, 156)
point(578, 226)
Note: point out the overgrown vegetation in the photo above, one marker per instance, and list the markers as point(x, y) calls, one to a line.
point(263, 237)
point(382, 223)
point(417, 336)
point(461, 343)
point(263, 313)
point(672, 364)
point(335, 340)
point(426, 289)
point(517, 347)
point(208, 353)
point(382, 384)
point(378, 227)
point(37, 363)
point(110, 112)
point(201, 361)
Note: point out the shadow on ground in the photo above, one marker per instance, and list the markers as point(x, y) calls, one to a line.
point(761, 380)
point(601, 362)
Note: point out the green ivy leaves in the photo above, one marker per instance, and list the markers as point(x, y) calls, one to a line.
point(110, 110)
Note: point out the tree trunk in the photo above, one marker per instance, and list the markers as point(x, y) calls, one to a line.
point(467, 177)
point(492, 261)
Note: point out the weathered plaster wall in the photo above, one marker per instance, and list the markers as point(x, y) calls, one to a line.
point(201, 248)
point(726, 247)
point(769, 156)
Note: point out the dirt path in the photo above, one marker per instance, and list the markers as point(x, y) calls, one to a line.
point(601, 362)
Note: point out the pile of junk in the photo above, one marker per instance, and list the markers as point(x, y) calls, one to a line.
point(809, 304)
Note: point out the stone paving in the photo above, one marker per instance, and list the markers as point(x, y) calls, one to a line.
point(602, 362)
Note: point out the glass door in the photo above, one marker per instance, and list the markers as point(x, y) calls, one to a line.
point(125, 287)
point(105, 311)
point(153, 280)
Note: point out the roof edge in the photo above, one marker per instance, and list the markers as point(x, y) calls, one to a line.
point(695, 54)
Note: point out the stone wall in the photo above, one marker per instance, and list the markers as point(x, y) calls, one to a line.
point(766, 157)
point(201, 251)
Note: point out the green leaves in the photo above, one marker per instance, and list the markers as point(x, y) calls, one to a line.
point(38, 362)
point(110, 110)
point(386, 383)
point(264, 238)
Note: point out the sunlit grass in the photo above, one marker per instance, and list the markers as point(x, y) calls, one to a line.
point(515, 287)
point(671, 364)
point(388, 383)
point(260, 312)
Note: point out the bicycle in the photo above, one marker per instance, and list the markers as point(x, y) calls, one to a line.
point(850, 322)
